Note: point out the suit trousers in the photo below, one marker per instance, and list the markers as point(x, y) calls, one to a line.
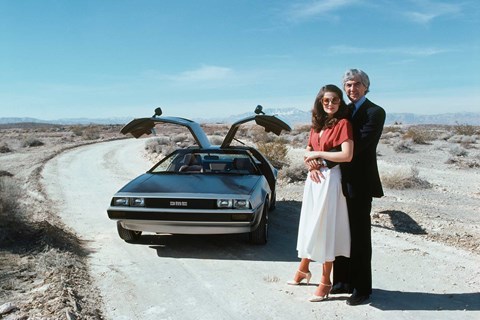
point(356, 271)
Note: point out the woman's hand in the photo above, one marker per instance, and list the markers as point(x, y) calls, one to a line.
point(310, 157)
point(316, 175)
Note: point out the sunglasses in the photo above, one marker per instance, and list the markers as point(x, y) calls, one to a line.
point(327, 101)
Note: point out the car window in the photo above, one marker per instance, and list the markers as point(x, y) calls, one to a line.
point(207, 163)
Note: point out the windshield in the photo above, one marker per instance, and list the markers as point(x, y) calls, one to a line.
point(207, 162)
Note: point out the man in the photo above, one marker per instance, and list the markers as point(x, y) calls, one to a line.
point(361, 182)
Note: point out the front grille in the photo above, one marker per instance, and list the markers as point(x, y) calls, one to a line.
point(180, 203)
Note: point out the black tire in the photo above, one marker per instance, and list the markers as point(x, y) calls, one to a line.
point(128, 235)
point(273, 201)
point(260, 235)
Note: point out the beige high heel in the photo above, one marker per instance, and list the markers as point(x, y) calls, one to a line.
point(306, 275)
point(316, 298)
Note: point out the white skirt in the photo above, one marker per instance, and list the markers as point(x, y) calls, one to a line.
point(324, 230)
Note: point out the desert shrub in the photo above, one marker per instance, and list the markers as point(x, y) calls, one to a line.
point(299, 135)
point(276, 152)
point(91, 133)
point(445, 135)
point(302, 128)
point(466, 129)
point(404, 179)
point(458, 151)
point(419, 136)
point(4, 148)
point(464, 162)
point(216, 139)
point(468, 141)
point(9, 195)
point(463, 140)
point(77, 130)
point(258, 134)
point(299, 140)
point(178, 139)
point(403, 146)
point(215, 129)
point(168, 149)
point(294, 172)
point(391, 135)
point(4, 173)
point(156, 145)
point(32, 142)
point(392, 129)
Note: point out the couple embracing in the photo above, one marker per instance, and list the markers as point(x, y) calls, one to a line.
point(335, 225)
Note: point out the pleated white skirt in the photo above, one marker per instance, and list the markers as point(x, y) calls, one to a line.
point(324, 231)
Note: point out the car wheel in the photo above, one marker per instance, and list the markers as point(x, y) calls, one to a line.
point(260, 235)
point(273, 201)
point(128, 235)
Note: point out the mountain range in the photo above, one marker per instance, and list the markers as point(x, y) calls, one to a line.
point(292, 115)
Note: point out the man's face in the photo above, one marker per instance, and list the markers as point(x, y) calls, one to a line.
point(354, 89)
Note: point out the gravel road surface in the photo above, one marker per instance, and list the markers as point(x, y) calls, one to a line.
point(223, 277)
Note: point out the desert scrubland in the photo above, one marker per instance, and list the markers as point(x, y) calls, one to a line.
point(430, 175)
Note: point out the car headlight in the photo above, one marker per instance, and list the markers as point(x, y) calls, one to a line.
point(128, 202)
point(233, 203)
point(224, 203)
point(120, 202)
point(241, 204)
point(137, 202)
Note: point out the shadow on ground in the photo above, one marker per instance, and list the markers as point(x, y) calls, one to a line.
point(400, 222)
point(281, 246)
point(398, 300)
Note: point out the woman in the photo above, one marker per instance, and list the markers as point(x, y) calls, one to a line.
point(324, 230)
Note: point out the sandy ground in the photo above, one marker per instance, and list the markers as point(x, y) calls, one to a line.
point(425, 243)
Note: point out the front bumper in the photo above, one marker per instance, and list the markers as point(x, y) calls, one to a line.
point(186, 221)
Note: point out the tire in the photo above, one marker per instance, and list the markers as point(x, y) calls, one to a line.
point(273, 201)
point(260, 235)
point(128, 235)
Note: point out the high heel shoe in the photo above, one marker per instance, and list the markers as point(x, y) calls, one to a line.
point(316, 298)
point(306, 275)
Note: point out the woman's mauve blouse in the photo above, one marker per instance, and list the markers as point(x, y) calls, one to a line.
point(331, 137)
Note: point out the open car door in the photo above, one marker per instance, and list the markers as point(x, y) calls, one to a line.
point(145, 126)
point(271, 123)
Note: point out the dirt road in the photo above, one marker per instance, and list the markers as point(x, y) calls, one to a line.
point(223, 277)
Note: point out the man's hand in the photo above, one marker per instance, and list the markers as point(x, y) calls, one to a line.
point(313, 164)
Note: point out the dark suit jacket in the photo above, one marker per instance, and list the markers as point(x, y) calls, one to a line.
point(360, 177)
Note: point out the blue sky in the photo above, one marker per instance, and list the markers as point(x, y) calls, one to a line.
point(105, 58)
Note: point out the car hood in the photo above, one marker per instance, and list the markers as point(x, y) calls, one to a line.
point(192, 184)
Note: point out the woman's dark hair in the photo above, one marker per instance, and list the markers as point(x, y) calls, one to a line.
point(320, 118)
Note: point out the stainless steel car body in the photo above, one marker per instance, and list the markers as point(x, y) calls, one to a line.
point(204, 189)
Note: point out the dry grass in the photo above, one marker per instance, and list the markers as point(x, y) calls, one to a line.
point(404, 179)
point(42, 268)
point(10, 192)
point(275, 151)
point(419, 135)
point(466, 129)
point(294, 172)
point(403, 146)
point(32, 142)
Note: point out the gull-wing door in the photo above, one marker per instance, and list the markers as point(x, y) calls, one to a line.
point(145, 126)
point(271, 123)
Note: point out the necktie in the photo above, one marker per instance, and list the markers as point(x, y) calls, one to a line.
point(351, 108)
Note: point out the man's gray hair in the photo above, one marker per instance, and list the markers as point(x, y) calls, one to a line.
point(352, 74)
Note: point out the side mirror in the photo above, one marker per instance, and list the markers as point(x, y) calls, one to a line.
point(158, 112)
point(258, 110)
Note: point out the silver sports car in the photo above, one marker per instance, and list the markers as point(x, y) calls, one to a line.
point(202, 189)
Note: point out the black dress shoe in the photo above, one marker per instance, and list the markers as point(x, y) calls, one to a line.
point(340, 287)
point(357, 298)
